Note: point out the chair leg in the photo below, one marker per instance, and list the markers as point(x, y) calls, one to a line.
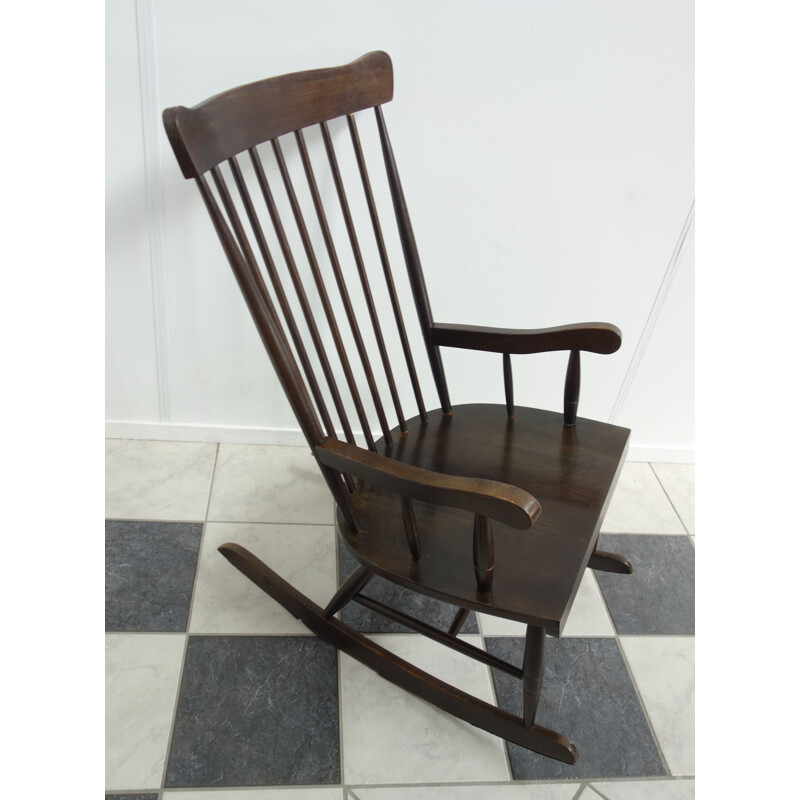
point(532, 672)
point(610, 562)
point(400, 672)
point(350, 588)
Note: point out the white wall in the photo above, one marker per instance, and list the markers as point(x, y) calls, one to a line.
point(546, 151)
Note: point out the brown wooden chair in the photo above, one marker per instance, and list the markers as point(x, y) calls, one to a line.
point(440, 503)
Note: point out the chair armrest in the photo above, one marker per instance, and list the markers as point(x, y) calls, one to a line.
point(498, 501)
point(594, 337)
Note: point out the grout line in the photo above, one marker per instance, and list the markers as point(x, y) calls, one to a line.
point(494, 694)
point(188, 626)
point(674, 508)
point(581, 790)
point(634, 684)
point(644, 708)
point(218, 521)
point(597, 791)
point(339, 667)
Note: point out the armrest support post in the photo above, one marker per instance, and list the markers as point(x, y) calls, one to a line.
point(572, 388)
point(508, 380)
point(483, 553)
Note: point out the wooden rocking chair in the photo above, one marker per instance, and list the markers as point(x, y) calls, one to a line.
point(441, 503)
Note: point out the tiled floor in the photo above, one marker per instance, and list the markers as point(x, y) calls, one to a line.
point(214, 692)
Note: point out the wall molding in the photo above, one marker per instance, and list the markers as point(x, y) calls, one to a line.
point(154, 188)
point(235, 434)
point(652, 318)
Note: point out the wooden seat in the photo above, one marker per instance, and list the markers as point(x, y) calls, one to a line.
point(495, 508)
point(536, 571)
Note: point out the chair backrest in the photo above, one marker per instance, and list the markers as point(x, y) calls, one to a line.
point(223, 128)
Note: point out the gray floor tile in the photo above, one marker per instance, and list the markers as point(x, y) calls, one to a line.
point(427, 609)
point(132, 796)
point(658, 598)
point(150, 569)
point(588, 696)
point(256, 711)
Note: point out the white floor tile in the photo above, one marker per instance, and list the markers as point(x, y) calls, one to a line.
point(640, 505)
point(158, 480)
point(678, 482)
point(547, 791)
point(391, 736)
point(142, 675)
point(588, 616)
point(226, 602)
point(663, 668)
point(269, 483)
point(647, 790)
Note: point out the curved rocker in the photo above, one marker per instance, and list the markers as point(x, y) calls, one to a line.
point(398, 671)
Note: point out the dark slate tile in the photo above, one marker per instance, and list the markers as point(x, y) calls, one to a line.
point(587, 695)
point(256, 711)
point(132, 796)
point(150, 569)
point(427, 609)
point(658, 598)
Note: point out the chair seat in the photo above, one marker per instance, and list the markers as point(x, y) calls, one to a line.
point(571, 471)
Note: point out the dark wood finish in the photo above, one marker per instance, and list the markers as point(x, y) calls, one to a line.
point(343, 292)
point(508, 382)
point(610, 562)
point(571, 471)
point(387, 270)
point(594, 337)
point(412, 532)
point(354, 583)
point(572, 388)
point(458, 621)
point(324, 299)
point(362, 274)
point(505, 503)
point(483, 553)
point(283, 301)
point(402, 673)
point(300, 292)
point(413, 264)
point(448, 639)
point(406, 505)
point(263, 312)
point(236, 120)
point(533, 671)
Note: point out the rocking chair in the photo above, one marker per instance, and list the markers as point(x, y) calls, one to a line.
point(408, 502)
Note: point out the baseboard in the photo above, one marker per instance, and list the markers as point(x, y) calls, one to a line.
point(234, 434)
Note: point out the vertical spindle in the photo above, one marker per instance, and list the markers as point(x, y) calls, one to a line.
point(362, 274)
point(387, 271)
point(508, 380)
point(412, 533)
point(572, 387)
point(483, 553)
point(413, 264)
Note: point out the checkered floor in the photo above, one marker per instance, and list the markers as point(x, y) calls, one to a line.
point(213, 690)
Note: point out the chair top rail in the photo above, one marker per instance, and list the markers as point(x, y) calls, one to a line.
point(241, 118)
